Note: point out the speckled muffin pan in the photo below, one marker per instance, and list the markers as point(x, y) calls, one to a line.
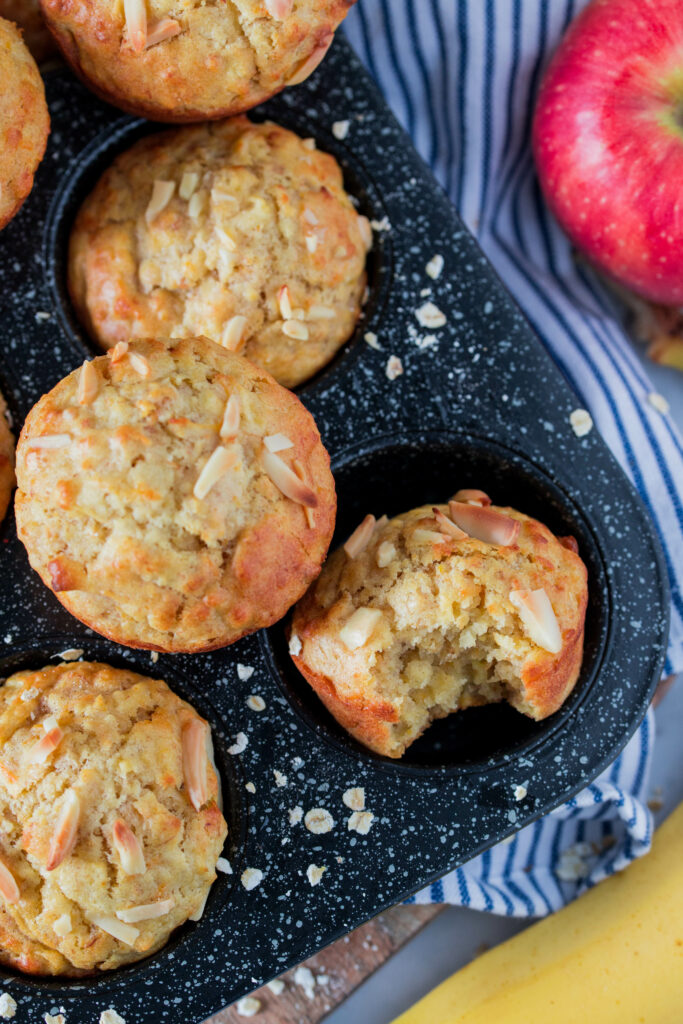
point(478, 404)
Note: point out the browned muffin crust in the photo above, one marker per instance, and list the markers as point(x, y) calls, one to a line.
point(6, 460)
point(26, 14)
point(237, 231)
point(189, 60)
point(111, 820)
point(24, 121)
point(417, 622)
point(151, 502)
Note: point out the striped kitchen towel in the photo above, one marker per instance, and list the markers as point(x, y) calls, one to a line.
point(462, 75)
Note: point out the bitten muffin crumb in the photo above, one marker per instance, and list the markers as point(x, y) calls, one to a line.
point(442, 608)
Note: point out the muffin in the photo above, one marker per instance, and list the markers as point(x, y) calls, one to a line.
point(24, 121)
point(440, 609)
point(191, 60)
point(241, 232)
point(6, 460)
point(26, 14)
point(111, 828)
point(173, 496)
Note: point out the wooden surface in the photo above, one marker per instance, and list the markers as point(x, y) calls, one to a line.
point(345, 964)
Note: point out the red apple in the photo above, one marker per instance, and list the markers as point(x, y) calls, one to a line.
point(608, 141)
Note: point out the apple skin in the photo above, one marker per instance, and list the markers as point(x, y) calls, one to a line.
point(608, 141)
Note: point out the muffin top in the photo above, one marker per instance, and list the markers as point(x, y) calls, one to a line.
point(26, 14)
point(173, 495)
point(430, 613)
point(188, 60)
point(24, 121)
point(241, 232)
point(110, 827)
point(6, 460)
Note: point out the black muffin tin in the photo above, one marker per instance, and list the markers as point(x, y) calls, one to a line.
point(479, 404)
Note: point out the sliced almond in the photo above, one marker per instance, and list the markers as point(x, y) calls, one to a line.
point(484, 523)
point(365, 231)
point(188, 184)
point(117, 353)
point(217, 464)
point(279, 9)
point(165, 29)
point(198, 912)
point(308, 512)
point(429, 537)
point(162, 192)
point(447, 525)
point(49, 441)
point(117, 929)
point(135, 13)
point(88, 384)
point(360, 627)
point(311, 243)
point(195, 205)
point(41, 750)
point(284, 302)
point(227, 240)
point(62, 926)
point(538, 616)
point(128, 847)
point(231, 417)
point(309, 65)
point(145, 911)
point(360, 538)
point(9, 890)
point(65, 832)
point(194, 762)
point(235, 332)
point(295, 329)
point(310, 216)
point(386, 552)
point(277, 442)
point(472, 497)
point(317, 312)
point(286, 480)
point(139, 364)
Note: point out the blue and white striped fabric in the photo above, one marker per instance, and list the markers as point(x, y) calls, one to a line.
point(461, 75)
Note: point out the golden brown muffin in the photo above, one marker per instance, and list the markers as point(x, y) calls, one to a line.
point(26, 14)
point(236, 231)
point(174, 496)
point(188, 60)
point(111, 828)
point(24, 121)
point(441, 609)
point(6, 460)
